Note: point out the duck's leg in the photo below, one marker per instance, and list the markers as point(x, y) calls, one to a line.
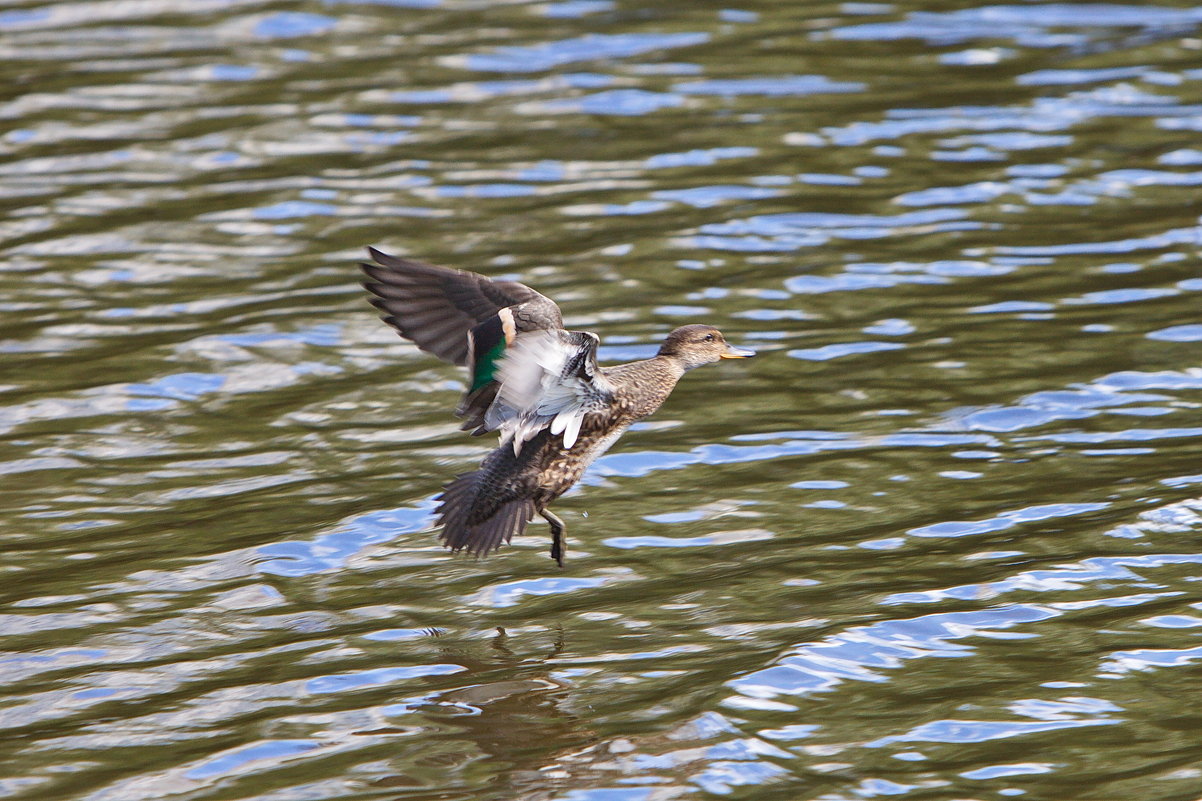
point(558, 545)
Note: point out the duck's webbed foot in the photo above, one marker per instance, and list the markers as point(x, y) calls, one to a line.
point(558, 541)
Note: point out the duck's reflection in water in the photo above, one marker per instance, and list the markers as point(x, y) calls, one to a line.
point(513, 724)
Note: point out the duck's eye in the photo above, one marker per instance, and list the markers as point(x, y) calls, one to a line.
point(709, 337)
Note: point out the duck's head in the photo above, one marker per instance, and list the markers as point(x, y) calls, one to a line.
point(695, 345)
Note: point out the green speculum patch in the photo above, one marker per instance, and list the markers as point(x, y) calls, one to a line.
point(485, 368)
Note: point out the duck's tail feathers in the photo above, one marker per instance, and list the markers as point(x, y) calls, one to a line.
point(480, 537)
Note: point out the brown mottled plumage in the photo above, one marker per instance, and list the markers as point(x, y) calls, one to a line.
point(539, 385)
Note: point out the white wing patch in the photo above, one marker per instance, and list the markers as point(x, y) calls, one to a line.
point(548, 378)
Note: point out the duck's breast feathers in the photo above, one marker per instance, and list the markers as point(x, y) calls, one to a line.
point(548, 379)
point(436, 307)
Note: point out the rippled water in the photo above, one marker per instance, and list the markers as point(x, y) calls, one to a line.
point(940, 541)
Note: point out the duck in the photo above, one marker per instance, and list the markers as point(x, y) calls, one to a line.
point(535, 384)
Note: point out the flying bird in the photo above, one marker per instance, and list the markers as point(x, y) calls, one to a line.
point(534, 383)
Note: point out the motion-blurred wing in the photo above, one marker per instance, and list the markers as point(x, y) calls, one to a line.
point(548, 378)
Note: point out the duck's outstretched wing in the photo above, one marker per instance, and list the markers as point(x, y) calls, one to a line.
point(548, 378)
point(436, 307)
point(458, 316)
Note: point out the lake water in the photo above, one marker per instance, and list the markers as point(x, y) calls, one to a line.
point(941, 540)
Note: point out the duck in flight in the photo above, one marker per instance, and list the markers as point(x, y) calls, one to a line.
point(536, 384)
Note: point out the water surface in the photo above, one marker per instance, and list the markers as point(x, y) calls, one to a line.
point(939, 541)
